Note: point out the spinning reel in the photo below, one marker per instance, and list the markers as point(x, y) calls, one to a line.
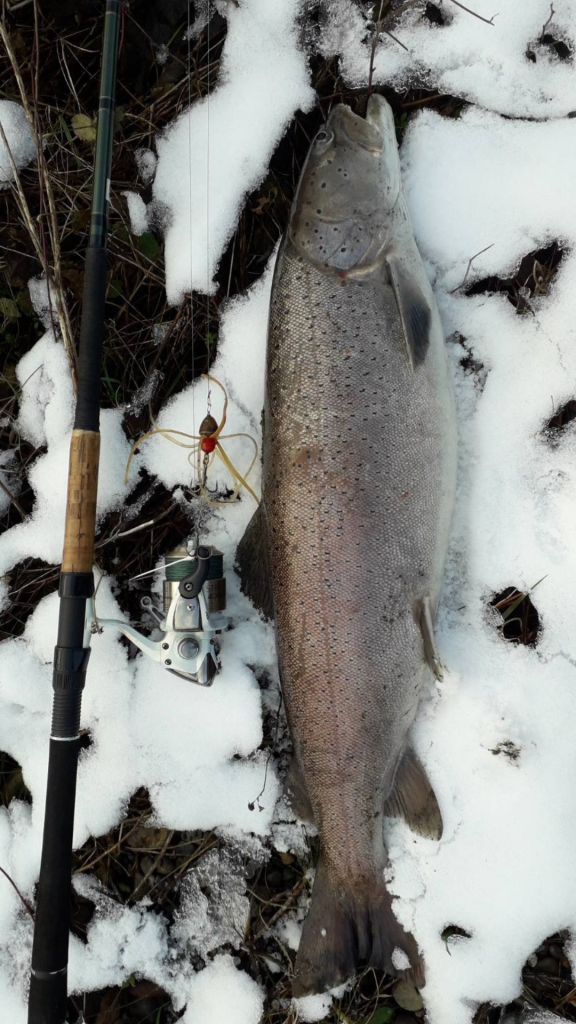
point(194, 596)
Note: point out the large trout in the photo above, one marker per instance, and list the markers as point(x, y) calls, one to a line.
point(347, 549)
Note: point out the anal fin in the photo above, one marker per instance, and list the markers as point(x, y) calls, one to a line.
point(254, 565)
point(414, 799)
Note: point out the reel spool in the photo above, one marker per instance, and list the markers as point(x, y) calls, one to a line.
point(194, 597)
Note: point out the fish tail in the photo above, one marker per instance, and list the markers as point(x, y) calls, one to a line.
point(343, 930)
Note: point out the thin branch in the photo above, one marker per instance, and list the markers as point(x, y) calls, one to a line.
point(154, 865)
point(380, 27)
point(470, 262)
point(487, 21)
point(546, 23)
point(13, 499)
point(13, 884)
point(396, 40)
point(373, 51)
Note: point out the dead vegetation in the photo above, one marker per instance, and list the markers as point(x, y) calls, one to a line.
point(533, 278)
point(520, 621)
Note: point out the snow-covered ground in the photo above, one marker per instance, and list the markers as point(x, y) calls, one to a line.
point(21, 148)
point(500, 175)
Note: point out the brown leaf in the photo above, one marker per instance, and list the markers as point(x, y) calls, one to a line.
point(147, 838)
point(109, 1012)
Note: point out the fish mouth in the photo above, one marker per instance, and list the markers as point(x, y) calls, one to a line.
point(360, 131)
point(379, 115)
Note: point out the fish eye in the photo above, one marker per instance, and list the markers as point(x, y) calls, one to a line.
point(324, 136)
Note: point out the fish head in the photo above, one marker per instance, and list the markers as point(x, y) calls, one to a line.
point(351, 179)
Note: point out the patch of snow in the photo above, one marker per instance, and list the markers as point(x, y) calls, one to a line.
point(400, 960)
point(466, 57)
point(43, 299)
point(146, 162)
point(289, 931)
point(215, 154)
point(317, 1007)
point(20, 141)
point(9, 475)
point(138, 212)
point(222, 992)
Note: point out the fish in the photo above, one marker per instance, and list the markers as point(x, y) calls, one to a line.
point(346, 550)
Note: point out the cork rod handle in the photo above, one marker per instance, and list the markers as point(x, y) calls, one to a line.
point(78, 552)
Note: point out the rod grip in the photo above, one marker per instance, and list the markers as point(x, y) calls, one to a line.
point(80, 525)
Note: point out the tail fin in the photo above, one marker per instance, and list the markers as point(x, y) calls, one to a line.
point(343, 929)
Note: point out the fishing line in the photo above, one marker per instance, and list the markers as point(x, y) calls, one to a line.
point(205, 446)
point(189, 33)
point(208, 339)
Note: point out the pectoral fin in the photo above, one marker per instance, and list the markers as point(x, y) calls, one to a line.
point(253, 564)
point(414, 310)
point(427, 629)
point(414, 799)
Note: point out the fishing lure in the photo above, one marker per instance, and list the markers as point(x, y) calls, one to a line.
point(205, 448)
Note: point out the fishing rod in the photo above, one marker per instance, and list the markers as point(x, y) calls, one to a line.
point(194, 589)
point(48, 982)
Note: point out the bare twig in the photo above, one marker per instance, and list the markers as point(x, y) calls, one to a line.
point(154, 864)
point(380, 27)
point(13, 884)
point(283, 908)
point(487, 21)
point(373, 51)
point(470, 262)
point(546, 23)
point(13, 499)
point(396, 40)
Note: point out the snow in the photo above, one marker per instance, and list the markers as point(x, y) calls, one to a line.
point(138, 212)
point(10, 478)
point(509, 823)
point(146, 162)
point(317, 1007)
point(20, 142)
point(482, 63)
point(400, 961)
point(495, 735)
point(215, 154)
point(43, 303)
point(221, 992)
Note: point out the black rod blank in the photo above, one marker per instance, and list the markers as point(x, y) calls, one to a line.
point(48, 984)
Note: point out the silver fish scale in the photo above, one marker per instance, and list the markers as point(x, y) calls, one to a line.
point(358, 489)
